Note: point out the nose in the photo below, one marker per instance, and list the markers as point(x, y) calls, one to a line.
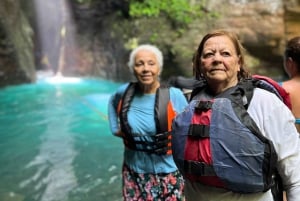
point(146, 67)
point(217, 57)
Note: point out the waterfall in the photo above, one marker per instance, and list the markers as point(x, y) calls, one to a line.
point(55, 36)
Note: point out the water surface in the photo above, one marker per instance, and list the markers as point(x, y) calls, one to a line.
point(55, 142)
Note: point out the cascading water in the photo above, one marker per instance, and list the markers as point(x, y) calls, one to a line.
point(55, 37)
point(55, 140)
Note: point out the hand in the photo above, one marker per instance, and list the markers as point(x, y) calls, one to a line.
point(119, 134)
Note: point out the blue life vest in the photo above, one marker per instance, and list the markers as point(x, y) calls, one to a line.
point(217, 143)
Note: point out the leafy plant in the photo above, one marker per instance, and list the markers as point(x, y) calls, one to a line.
point(180, 12)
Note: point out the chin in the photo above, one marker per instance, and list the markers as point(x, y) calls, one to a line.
point(217, 78)
point(146, 82)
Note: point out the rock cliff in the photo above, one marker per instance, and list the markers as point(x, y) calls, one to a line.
point(105, 34)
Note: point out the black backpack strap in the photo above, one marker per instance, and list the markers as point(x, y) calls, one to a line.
point(277, 188)
point(163, 136)
point(246, 88)
point(126, 101)
point(124, 124)
point(161, 113)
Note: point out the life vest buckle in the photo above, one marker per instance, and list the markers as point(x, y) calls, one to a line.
point(199, 131)
point(161, 136)
point(198, 168)
point(204, 105)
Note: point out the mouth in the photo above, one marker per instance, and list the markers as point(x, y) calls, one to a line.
point(146, 77)
point(217, 69)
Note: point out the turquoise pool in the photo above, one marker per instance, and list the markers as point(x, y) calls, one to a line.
point(55, 142)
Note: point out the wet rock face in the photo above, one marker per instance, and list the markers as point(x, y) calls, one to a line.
point(16, 46)
point(263, 27)
point(261, 24)
point(291, 18)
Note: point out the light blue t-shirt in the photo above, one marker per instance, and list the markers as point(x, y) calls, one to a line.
point(141, 120)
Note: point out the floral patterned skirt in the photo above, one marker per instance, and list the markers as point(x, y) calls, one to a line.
point(152, 187)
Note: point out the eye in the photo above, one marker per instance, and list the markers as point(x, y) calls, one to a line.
point(208, 55)
point(138, 64)
point(151, 63)
point(226, 54)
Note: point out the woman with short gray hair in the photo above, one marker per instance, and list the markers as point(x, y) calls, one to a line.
point(141, 114)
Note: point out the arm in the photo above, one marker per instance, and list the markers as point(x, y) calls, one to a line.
point(277, 123)
point(287, 146)
point(112, 111)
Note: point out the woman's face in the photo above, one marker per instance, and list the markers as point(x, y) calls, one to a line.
point(146, 68)
point(220, 63)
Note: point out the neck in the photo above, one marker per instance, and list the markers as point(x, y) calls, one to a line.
point(219, 88)
point(296, 77)
point(149, 89)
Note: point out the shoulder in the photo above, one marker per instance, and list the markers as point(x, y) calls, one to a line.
point(117, 95)
point(270, 113)
point(122, 88)
point(174, 90)
point(291, 85)
point(263, 96)
point(176, 93)
point(177, 98)
point(266, 105)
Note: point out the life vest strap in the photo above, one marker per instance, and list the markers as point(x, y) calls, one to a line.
point(162, 151)
point(198, 131)
point(164, 114)
point(162, 136)
point(198, 168)
point(161, 144)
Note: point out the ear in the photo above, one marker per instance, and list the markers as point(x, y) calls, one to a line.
point(291, 67)
point(290, 63)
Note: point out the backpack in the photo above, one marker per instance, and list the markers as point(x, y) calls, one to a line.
point(232, 154)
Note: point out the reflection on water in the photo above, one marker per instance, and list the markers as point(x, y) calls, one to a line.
point(55, 142)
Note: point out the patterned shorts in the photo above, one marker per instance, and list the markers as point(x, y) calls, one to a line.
point(152, 187)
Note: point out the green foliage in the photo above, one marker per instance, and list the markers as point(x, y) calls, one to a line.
point(180, 12)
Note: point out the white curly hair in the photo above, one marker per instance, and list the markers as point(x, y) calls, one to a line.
point(152, 48)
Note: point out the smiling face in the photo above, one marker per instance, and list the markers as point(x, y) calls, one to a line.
point(146, 69)
point(220, 63)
